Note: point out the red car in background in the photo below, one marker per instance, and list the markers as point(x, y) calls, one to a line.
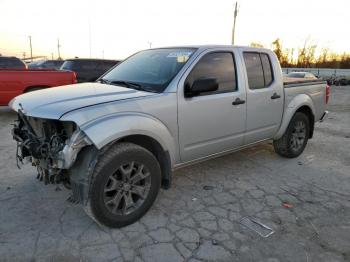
point(14, 82)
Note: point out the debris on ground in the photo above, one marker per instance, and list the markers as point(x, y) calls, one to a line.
point(194, 199)
point(214, 242)
point(257, 226)
point(208, 187)
point(287, 205)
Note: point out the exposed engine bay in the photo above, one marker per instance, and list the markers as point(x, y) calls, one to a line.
point(50, 145)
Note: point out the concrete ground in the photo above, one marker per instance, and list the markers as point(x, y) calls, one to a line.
point(198, 218)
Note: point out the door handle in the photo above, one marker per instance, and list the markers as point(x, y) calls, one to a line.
point(275, 96)
point(238, 101)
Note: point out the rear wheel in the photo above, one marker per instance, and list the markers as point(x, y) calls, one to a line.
point(294, 140)
point(125, 184)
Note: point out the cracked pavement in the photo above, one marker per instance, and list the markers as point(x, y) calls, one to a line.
point(198, 218)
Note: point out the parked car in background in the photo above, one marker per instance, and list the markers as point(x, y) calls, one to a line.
point(305, 75)
point(342, 82)
point(115, 142)
point(88, 70)
point(16, 82)
point(11, 62)
point(46, 64)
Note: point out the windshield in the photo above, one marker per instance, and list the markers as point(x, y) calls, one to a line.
point(151, 69)
point(67, 65)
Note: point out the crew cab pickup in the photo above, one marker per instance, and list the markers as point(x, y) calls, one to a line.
point(14, 82)
point(115, 142)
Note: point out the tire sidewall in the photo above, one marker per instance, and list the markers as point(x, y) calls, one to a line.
point(296, 118)
point(118, 158)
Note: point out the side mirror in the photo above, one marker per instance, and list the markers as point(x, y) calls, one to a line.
point(201, 85)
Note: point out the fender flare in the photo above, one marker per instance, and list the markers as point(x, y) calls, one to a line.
point(293, 106)
point(113, 127)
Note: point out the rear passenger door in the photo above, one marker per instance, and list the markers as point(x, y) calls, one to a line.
point(264, 97)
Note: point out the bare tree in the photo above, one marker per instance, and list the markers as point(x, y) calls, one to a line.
point(256, 44)
point(307, 55)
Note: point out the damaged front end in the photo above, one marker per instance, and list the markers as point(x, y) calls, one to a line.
point(52, 146)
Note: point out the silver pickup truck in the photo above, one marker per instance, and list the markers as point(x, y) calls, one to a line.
point(115, 142)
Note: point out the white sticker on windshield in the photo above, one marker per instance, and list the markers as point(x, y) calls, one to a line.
point(179, 53)
point(181, 56)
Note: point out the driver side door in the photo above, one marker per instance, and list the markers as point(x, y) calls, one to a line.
point(211, 122)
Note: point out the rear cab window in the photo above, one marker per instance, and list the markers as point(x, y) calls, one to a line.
point(259, 70)
point(11, 63)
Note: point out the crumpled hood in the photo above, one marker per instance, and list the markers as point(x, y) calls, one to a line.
point(52, 103)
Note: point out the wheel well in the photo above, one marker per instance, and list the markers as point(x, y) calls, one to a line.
point(31, 88)
point(157, 150)
point(307, 111)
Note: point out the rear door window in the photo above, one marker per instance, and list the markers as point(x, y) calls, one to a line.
point(259, 70)
point(254, 70)
point(266, 63)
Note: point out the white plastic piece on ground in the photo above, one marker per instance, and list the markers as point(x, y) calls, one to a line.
point(256, 226)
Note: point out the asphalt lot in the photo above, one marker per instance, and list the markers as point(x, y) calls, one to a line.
point(198, 218)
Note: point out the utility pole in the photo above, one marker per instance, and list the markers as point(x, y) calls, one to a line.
point(234, 24)
point(51, 56)
point(150, 44)
point(31, 49)
point(58, 48)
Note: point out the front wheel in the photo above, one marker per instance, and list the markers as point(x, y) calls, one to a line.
point(125, 184)
point(294, 140)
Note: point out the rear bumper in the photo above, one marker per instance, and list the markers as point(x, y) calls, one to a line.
point(324, 116)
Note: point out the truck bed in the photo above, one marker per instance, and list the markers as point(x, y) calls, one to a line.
point(315, 89)
point(292, 82)
point(14, 82)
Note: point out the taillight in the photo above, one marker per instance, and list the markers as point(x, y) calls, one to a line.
point(75, 78)
point(328, 93)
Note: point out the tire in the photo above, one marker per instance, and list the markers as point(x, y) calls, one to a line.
point(289, 145)
point(118, 196)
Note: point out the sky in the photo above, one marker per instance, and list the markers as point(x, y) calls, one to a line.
point(116, 29)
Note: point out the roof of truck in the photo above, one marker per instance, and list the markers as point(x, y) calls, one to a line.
point(205, 47)
point(211, 46)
